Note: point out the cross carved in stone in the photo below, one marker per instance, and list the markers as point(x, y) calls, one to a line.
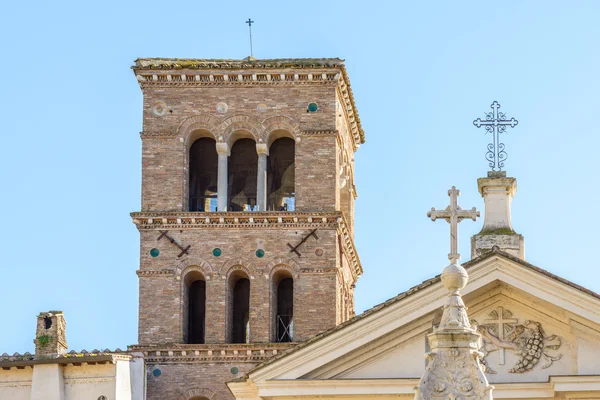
point(502, 319)
point(453, 214)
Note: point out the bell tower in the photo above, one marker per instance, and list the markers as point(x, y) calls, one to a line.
point(247, 219)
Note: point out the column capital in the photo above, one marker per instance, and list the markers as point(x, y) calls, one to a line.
point(261, 148)
point(502, 183)
point(223, 148)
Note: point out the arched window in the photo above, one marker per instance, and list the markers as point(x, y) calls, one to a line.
point(239, 308)
point(195, 308)
point(242, 169)
point(283, 290)
point(203, 175)
point(281, 185)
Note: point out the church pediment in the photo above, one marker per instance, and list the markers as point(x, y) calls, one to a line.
point(534, 327)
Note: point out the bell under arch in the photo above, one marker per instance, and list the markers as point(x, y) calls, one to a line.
point(203, 172)
point(281, 174)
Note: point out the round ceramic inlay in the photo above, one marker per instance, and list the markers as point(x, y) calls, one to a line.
point(234, 370)
point(260, 253)
point(217, 252)
point(319, 252)
point(261, 107)
point(156, 372)
point(154, 252)
point(222, 107)
point(312, 107)
point(159, 109)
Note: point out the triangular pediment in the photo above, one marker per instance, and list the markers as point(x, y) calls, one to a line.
point(534, 326)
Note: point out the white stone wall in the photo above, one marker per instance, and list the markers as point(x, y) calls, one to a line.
point(124, 380)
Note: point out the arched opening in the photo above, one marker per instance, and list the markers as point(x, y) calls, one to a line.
point(242, 170)
point(281, 185)
point(203, 175)
point(195, 308)
point(283, 305)
point(239, 308)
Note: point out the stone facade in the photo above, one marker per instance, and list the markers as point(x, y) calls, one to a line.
point(227, 100)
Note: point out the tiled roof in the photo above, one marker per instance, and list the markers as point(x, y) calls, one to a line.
point(17, 359)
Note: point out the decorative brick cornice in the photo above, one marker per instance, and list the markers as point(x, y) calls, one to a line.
point(347, 242)
point(227, 220)
point(332, 132)
point(168, 72)
point(153, 220)
point(155, 273)
point(214, 353)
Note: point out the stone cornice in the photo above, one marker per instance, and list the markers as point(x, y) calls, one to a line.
point(227, 220)
point(154, 220)
point(214, 353)
point(155, 273)
point(165, 72)
point(331, 132)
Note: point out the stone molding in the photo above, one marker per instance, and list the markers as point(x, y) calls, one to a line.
point(190, 124)
point(155, 273)
point(283, 263)
point(217, 353)
point(194, 392)
point(251, 220)
point(170, 74)
point(330, 132)
point(186, 264)
point(225, 127)
point(237, 264)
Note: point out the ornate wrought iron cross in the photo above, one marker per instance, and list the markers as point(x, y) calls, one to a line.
point(453, 214)
point(495, 123)
point(250, 22)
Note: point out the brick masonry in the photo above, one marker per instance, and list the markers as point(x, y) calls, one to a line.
point(323, 275)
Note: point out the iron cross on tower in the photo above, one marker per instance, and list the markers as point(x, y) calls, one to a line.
point(250, 22)
point(453, 214)
point(495, 123)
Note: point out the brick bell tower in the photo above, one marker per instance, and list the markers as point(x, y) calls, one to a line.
point(246, 226)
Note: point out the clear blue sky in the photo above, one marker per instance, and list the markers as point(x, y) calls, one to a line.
point(421, 73)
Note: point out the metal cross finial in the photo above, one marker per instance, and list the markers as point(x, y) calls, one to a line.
point(453, 214)
point(250, 22)
point(495, 123)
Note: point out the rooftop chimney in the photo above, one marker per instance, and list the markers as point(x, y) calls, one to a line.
point(497, 191)
point(50, 335)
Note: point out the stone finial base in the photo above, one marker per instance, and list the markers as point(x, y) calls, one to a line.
point(454, 370)
point(484, 242)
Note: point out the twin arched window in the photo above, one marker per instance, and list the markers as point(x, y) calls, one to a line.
point(238, 308)
point(243, 166)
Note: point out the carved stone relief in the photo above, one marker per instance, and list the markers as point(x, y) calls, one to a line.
point(501, 332)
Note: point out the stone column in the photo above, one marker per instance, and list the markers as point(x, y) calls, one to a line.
point(497, 191)
point(261, 179)
point(223, 152)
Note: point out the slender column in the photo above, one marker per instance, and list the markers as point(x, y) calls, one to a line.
point(223, 152)
point(261, 179)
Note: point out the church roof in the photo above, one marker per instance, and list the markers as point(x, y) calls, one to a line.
point(19, 360)
point(415, 289)
point(148, 64)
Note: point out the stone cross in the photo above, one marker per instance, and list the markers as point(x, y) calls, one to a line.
point(453, 214)
point(500, 321)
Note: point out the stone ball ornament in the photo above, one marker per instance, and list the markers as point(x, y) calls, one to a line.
point(454, 277)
